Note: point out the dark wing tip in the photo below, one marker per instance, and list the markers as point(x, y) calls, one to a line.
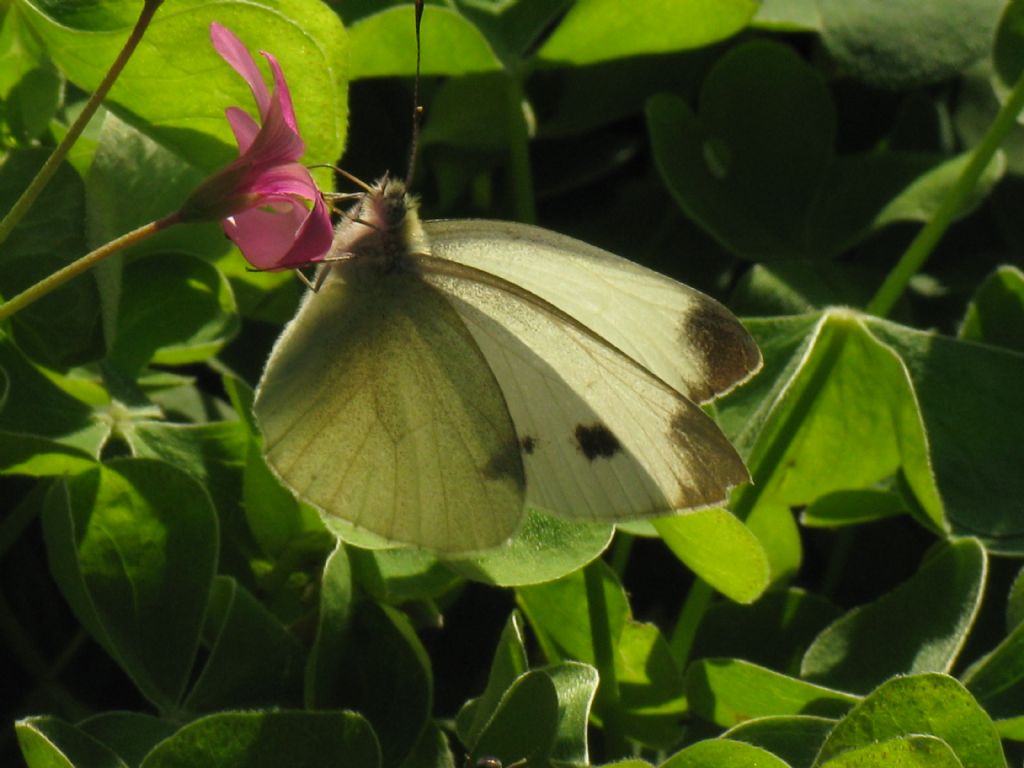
point(730, 354)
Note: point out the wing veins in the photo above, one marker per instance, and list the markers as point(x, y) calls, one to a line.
point(443, 267)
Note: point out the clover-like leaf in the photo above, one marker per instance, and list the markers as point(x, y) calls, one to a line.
point(920, 705)
point(914, 628)
point(133, 547)
point(730, 691)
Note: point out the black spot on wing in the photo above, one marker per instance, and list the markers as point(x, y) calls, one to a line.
point(597, 441)
point(528, 444)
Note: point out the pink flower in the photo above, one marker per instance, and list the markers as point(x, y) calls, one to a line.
point(270, 205)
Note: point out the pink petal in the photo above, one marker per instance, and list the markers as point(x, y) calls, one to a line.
point(243, 126)
point(284, 97)
point(314, 237)
point(276, 142)
point(266, 235)
point(234, 52)
point(292, 179)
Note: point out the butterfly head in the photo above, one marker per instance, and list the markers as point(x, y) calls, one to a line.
point(383, 229)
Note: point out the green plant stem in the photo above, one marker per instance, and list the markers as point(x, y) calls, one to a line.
point(28, 197)
point(922, 246)
point(76, 268)
point(520, 173)
point(604, 658)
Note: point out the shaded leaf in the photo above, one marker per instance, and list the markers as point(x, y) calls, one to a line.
point(729, 691)
point(269, 739)
point(133, 547)
point(914, 628)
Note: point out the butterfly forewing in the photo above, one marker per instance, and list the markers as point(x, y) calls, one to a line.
point(602, 438)
point(683, 337)
point(377, 406)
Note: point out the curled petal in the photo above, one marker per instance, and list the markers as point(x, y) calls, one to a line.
point(276, 142)
point(291, 179)
point(281, 234)
point(281, 92)
point(234, 52)
point(243, 126)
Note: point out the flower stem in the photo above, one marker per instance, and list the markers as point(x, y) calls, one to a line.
point(922, 246)
point(28, 197)
point(86, 262)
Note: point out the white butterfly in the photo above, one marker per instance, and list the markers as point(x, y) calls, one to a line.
point(447, 374)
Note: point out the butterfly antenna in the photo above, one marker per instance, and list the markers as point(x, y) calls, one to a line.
point(417, 108)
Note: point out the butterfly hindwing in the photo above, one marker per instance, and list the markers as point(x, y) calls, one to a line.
point(687, 339)
point(377, 406)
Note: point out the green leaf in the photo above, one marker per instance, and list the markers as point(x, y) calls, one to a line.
point(33, 102)
point(214, 454)
point(974, 455)
point(391, 684)
point(275, 518)
point(525, 722)
point(720, 549)
point(269, 739)
point(509, 663)
point(1008, 52)
point(773, 632)
point(172, 285)
point(384, 44)
point(63, 328)
point(842, 508)
point(902, 43)
point(253, 660)
point(649, 681)
point(397, 576)
point(909, 752)
point(794, 738)
point(921, 199)
point(137, 177)
point(477, 113)
point(133, 547)
point(325, 666)
point(543, 549)
point(306, 38)
point(996, 312)
point(599, 30)
point(130, 734)
point(730, 691)
point(788, 16)
point(1015, 603)
point(920, 705)
point(39, 457)
point(829, 426)
point(997, 680)
point(19, 51)
point(431, 751)
point(558, 612)
point(765, 121)
point(576, 686)
point(47, 742)
point(722, 753)
point(916, 627)
point(796, 287)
